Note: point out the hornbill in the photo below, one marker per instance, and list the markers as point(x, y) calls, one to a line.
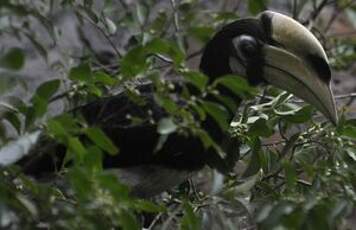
point(271, 48)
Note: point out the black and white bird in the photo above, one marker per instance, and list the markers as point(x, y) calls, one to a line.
point(269, 49)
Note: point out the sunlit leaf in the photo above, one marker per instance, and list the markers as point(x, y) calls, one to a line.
point(166, 126)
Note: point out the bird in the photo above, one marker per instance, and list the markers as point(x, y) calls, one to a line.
point(271, 48)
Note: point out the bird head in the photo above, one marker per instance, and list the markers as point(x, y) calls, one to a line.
point(275, 49)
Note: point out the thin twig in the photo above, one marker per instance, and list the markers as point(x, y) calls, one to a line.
point(104, 34)
point(295, 9)
point(317, 10)
point(194, 54)
point(337, 97)
point(59, 96)
point(348, 33)
point(124, 5)
point(154, 221)
point(178, 33)
point(237, 6)
point(299, 181)
point(274, 143)
point(176, 16)
point(343, 96)
point(336, 14)
point(163, 58)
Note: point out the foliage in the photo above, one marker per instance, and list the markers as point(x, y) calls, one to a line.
point(296, 169)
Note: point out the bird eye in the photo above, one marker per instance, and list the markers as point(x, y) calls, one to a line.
point(246, 46)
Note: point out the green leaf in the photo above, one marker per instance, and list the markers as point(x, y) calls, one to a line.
point(57, 129)
point(256, 6)
point(198, 79)
point(81, 73)
point(301, 116)
point(80, 182)
point(237, 85)
point(108, 180)
point(31, 114)
point(41, 97)
point(75, 146)
point(228, 102)
point(166, 126)
point(48, 89)
point(260, 128)
point(164, 47)
point(254, 164)
point(148, 206)
point(200, 111)
point(218, 113)
point(134, 62)
point(94, 159)
point(104, 79)
point(167, 103)
point(290, 173)
point(39, 107)
point(128, 221)
point(14, 59)
point(190, 220)
point(97, 136)
point(349, 131)
point(69, 123)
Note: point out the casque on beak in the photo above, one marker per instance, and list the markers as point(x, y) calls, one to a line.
point(295, 61)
